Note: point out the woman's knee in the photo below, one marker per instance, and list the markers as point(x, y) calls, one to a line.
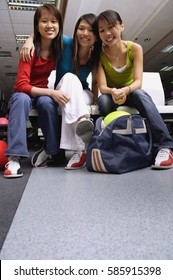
point(74, 80)
point(105, 104)
point(20, 99)
point(70, 76)
point(140, 95)
point(46, 104)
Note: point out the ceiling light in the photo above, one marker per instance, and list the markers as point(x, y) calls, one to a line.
point(26, 5)
point(167, 68)
point(168, 49)
point(147, 39)
point(20, 39)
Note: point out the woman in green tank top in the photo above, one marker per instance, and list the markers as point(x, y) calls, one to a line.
point(119, 79)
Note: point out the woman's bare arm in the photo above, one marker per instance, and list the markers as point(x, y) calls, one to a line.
point(28, 49)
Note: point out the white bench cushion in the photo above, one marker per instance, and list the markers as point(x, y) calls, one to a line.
point(151, 84)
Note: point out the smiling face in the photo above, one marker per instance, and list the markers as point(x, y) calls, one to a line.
point(85, 34)
point(109, 33)
point(48, 25)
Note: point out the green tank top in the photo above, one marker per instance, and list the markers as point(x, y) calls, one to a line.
point(114, 78)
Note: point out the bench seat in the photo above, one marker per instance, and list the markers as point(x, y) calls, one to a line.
point(151, 84)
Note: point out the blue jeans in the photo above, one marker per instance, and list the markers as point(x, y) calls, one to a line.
point(140, 100)
point(20, 104)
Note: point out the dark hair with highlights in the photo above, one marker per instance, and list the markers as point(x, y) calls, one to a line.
point(91, 19)
point(57, 43)
point(112, 17)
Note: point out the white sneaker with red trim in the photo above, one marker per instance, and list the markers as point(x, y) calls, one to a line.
point(78, 160)
point(164, 159)
point(12, 168)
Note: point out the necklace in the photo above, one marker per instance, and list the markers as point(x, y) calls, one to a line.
point(115, 60)
point(117, 57)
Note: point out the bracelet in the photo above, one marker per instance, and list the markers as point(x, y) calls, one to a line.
point(129, 89)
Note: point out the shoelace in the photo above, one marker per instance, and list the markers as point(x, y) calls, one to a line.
point(164, 153)
point(76, 156)
point(11, 163)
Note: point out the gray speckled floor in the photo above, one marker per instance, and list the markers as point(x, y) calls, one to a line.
point(82, 215)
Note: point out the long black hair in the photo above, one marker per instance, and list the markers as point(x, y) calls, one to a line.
point(110, 16)
point(57, 43)
point(91, 19)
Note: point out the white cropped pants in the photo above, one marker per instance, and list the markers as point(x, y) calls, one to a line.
point(75, 108)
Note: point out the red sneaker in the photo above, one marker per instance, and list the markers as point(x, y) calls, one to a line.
point(164, 159)
point(77, 161)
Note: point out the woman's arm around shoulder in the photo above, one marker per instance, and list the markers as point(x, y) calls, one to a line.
point(27, 50)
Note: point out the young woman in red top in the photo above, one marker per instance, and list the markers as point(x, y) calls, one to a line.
point(79, 58)
point(31, 89)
